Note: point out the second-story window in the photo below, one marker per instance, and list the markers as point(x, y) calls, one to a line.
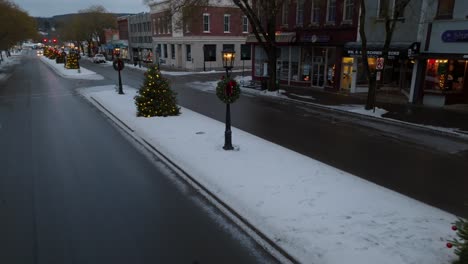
point(245, 24)
point(331, 11)
point(285, 13)
point(206, 22)
point(300, 13)
point(159, 26)
point(384, 9)
point(154, 26)
point(445, 8)
point(315, 12)
point(348, 10)
point(169, 24)
point(227, 23)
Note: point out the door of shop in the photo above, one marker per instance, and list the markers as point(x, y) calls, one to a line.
point(318, 71)
point(347, 78)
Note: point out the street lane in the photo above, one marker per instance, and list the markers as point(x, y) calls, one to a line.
point(434, 177)
point(73, 189)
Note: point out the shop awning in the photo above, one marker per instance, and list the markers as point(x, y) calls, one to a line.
point(285, 37)
point(374, 49)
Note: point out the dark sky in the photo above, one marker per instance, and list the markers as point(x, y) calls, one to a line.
point(48, 8)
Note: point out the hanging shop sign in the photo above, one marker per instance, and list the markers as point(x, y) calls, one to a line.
point(380, 63)
point(455, 36)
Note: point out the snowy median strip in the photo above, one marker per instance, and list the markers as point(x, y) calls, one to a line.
point(72, 73)
point(317, 213)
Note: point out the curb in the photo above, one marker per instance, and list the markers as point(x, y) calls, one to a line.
point(259, 237)
point(395, 122)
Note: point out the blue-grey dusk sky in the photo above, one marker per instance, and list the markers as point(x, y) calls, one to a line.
point(48, 8)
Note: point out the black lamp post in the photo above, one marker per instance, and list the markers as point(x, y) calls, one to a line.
point(228, 62)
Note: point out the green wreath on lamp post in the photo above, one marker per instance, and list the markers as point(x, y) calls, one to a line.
point(228, 90)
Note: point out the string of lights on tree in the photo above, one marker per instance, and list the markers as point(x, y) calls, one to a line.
point(72, 61)
point(155, 97)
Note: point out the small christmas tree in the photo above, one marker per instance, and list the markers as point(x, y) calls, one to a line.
point(155, 97)
point(460, 243)
point(72, 61)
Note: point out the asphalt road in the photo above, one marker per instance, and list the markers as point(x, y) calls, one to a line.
point(73, 189)
point(422, 167)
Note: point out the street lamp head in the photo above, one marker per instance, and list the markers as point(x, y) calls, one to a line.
point(228, 58)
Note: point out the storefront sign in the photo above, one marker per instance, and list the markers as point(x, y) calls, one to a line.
point(373, 53)
point(455, 36)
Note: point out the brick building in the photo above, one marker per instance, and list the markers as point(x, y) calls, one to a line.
point(311, 35)
point(195, 42)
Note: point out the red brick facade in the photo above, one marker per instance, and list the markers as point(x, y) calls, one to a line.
point(122, 24)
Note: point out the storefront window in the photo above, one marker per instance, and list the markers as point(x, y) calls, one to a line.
point(362, 77)
point(330, 66)
point(306, 64)
point(282, 64)
point(295, 56)
point(445, 75)
point(261, 69)
point(318, 66)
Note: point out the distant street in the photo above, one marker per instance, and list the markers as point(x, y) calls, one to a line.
point(73, 189)
point(437, 177)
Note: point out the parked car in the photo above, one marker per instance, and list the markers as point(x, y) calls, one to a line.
point(98, 58)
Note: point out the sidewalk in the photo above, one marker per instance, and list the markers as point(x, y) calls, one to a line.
point(396, 105)
point(312, 211)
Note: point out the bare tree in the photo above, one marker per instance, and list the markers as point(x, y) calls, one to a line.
point(262, 15)
point(390, 17)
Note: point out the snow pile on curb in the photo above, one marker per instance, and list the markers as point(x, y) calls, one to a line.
point(83, 73)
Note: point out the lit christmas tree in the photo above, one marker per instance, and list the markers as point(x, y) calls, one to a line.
point(72, 61)
point(46, 52)
point(155, 97)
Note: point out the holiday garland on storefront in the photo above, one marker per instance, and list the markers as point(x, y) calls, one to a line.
point(228, 90)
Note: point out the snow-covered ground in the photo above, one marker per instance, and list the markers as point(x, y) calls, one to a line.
point(317, 213)
point(83, 73)
point(8, 62)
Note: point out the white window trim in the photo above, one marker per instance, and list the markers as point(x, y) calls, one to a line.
point(344, 20)
point(228, 24)
point(209, 23)
point(245, 19)
point(328, 13)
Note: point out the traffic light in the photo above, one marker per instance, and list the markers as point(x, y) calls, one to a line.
point(54, 40)
point(44, 40)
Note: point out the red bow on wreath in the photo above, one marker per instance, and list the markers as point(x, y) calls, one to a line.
point(229, 88)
